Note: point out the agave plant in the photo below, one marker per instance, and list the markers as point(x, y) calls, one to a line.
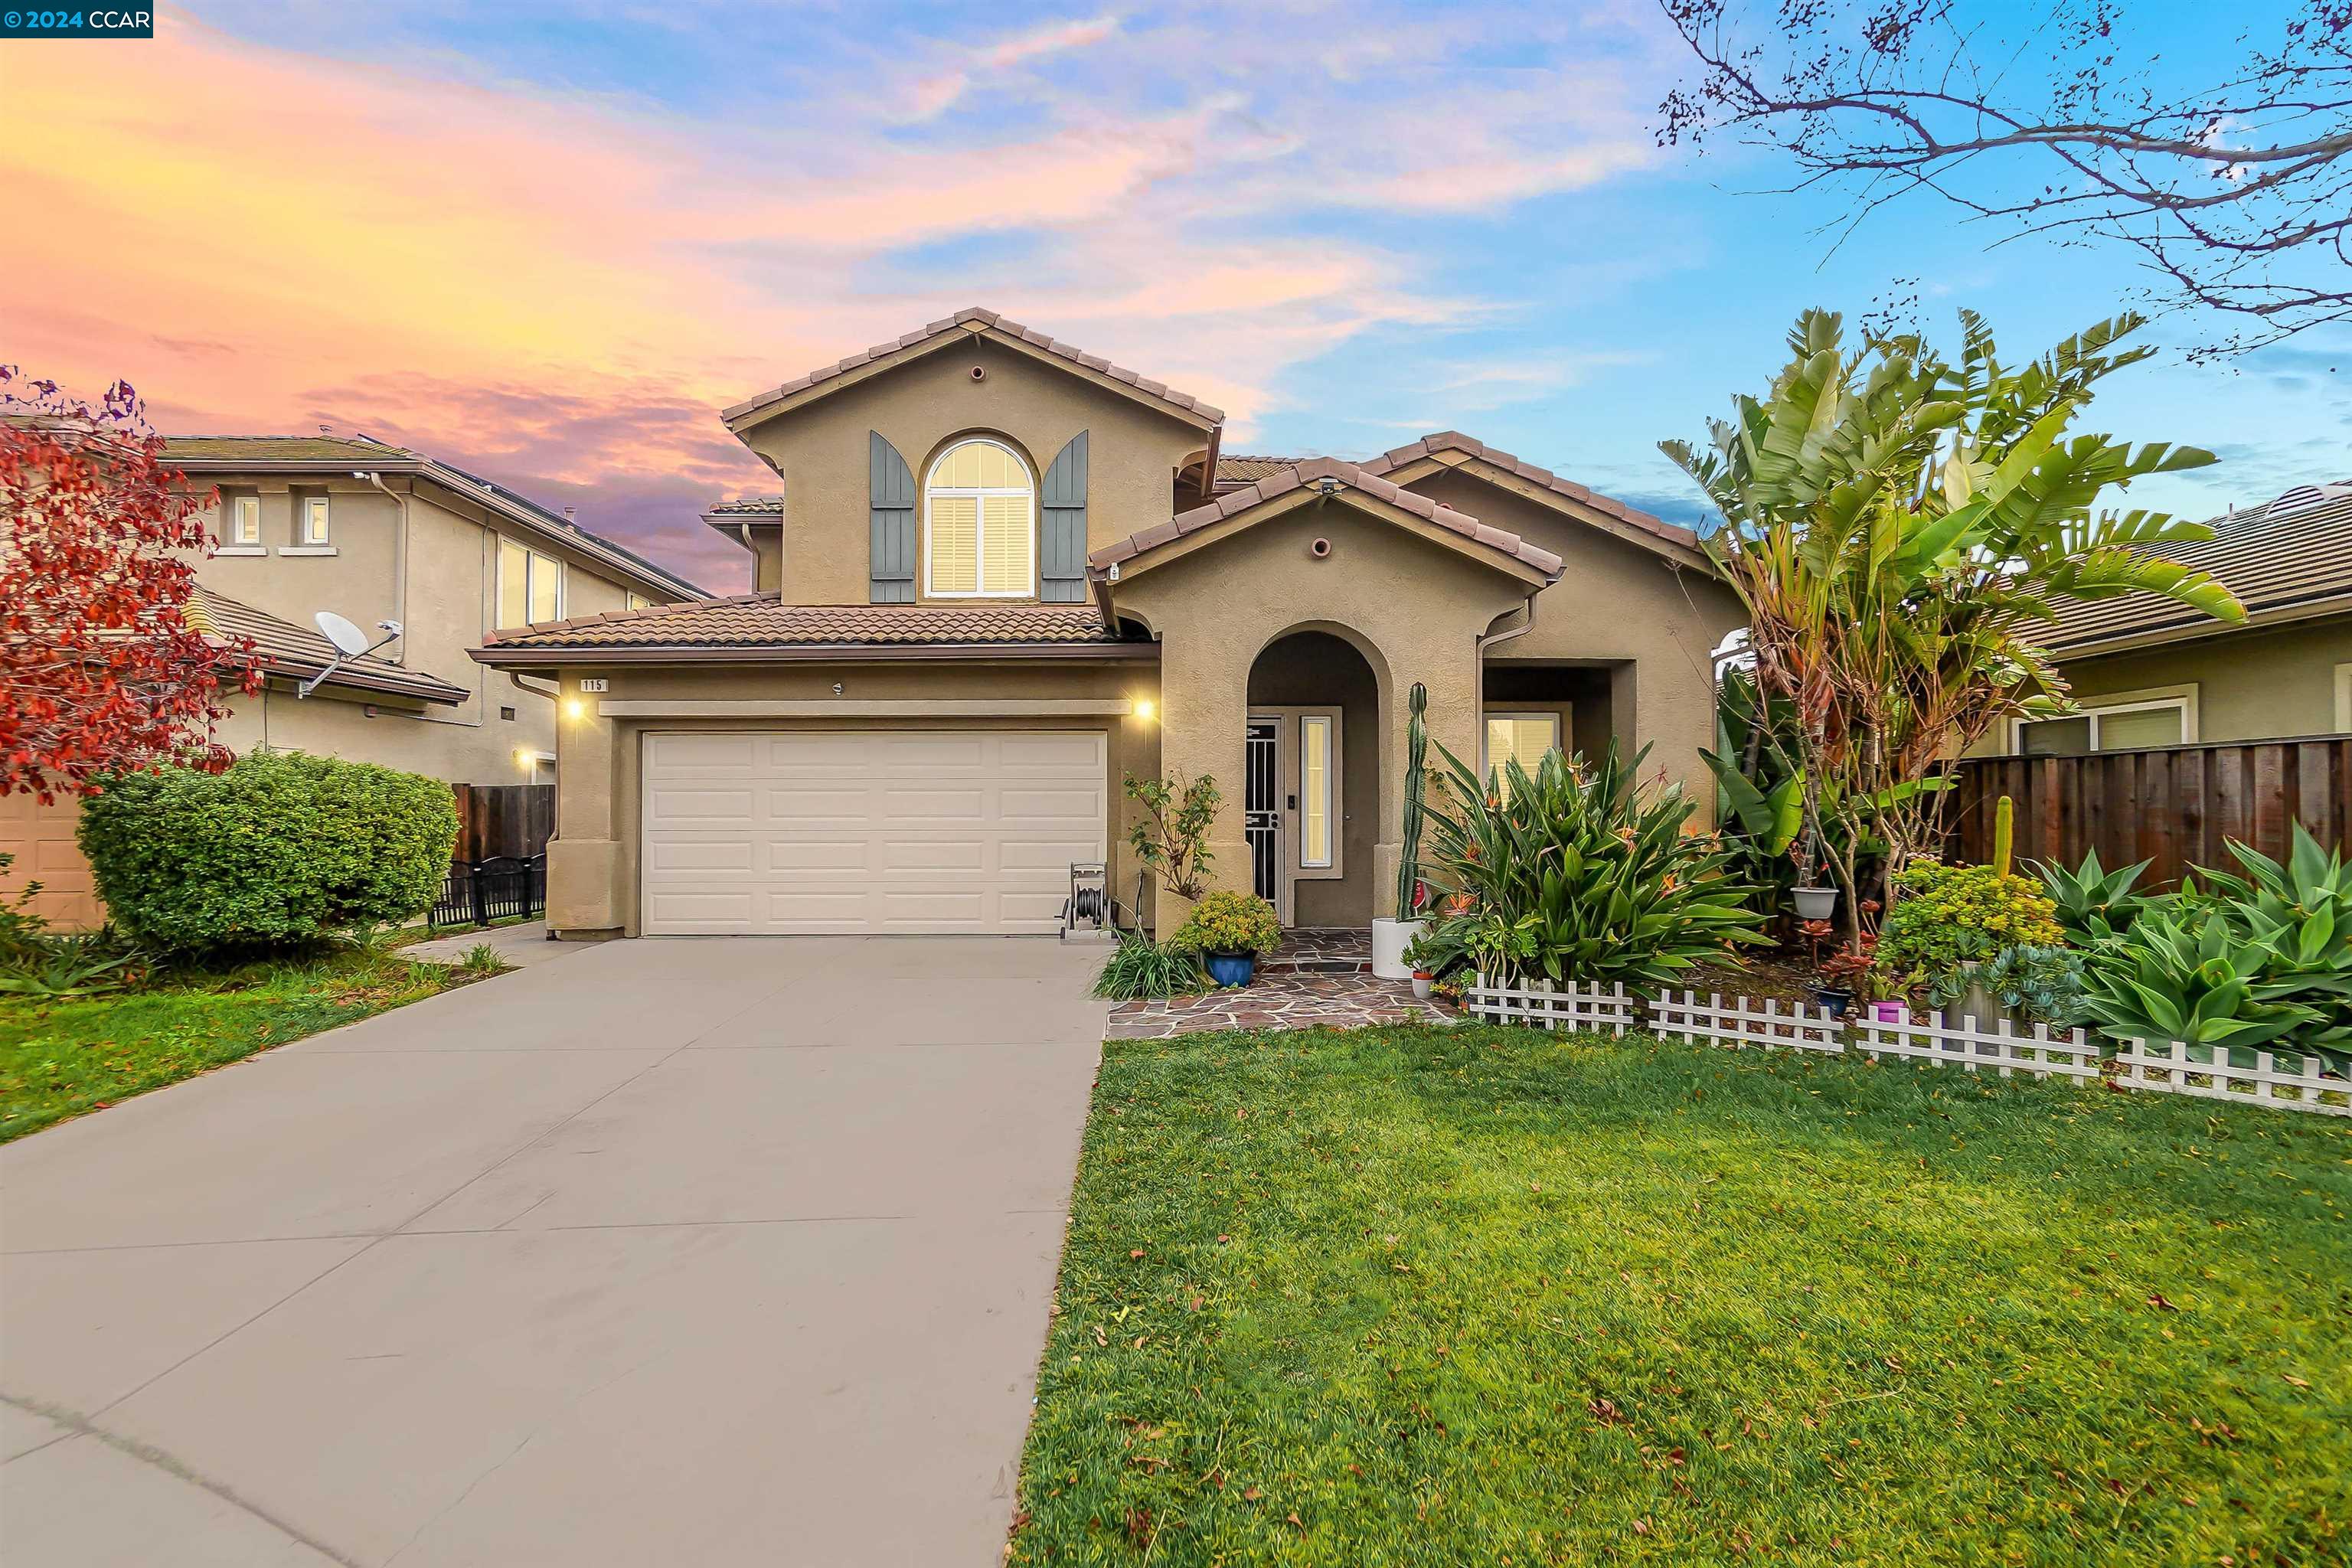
point(2094, 903)
point(2194, 974)
point(1574, 873)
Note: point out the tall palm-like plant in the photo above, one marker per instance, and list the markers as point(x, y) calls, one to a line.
point(1901, 529)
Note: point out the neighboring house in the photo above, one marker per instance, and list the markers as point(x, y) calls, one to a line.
point(374, 532)
point(2150, 672)
point(1003, 573)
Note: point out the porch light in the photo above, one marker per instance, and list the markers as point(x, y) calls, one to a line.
point(575, 708)
point(1146, 709)
point(525, 758)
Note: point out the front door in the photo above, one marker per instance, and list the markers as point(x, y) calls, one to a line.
point(1262, 811)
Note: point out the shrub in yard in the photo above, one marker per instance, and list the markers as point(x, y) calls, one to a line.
point(1574, 873)
point(1229, 922)
point(1139, 968)
point(1951, 915)
point(280, 848)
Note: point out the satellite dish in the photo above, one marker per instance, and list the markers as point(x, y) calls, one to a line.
point(348, 638)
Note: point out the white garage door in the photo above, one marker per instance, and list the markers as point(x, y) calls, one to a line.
point(776, 832)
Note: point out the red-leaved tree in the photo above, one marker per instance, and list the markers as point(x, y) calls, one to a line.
point(101, 670)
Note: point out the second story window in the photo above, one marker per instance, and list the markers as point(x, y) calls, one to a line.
point(313, 522)
point(244, 521)
point(531, 586)
point(980, 523)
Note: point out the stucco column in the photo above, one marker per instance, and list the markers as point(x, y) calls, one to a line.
point(583, 859)
point(1203, 731)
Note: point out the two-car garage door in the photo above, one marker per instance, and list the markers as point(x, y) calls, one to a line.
point(786, 831)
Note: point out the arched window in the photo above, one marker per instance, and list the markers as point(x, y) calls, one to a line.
point(980, 523)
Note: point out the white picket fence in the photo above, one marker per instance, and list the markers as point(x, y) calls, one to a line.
point(2166, 1069)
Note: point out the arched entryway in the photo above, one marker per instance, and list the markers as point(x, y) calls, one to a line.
point(1312, 790)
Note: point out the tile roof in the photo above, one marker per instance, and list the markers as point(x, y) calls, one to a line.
point(749, 506)
point(991, 322)
point(759, 620)
point(1455, 441)
point(341, 454)
point(1242, 469)
point(1311, 471)
point(2287, 553)
point(296, 651)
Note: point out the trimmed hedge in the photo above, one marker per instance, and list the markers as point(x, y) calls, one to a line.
point(282, 847)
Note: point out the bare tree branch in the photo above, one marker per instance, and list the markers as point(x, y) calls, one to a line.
point(2237, 199)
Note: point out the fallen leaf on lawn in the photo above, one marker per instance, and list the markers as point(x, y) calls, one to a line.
point(2294, 1380)
point(1251, 1494)
point(1101, 1338)
point(1641, 1527)
point(2160, 1304)
point(1137, 1253)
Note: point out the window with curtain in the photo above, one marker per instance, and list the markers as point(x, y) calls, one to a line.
point(1523, 738)
point(979, 512)
point(531, 586)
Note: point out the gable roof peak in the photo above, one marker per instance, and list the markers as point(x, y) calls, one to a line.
point(1183, 404)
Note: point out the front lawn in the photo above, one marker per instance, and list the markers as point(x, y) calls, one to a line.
point(1490, 1295)
point(60, 1059)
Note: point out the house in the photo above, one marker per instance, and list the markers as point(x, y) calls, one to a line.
point(2149, 672)
point(373, 532)
point(1003, 573)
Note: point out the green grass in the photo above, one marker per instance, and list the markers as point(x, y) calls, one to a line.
point(60, 1059)
point(1490, 1295)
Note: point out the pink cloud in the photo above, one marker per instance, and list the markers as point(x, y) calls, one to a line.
point(562, 290)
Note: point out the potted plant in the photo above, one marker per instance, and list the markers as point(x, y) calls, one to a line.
point(1392, 933)
point(1420, 960)
point(1230, 931)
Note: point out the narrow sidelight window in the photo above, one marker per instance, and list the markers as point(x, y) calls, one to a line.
point(1315, 790)
point(244, 520)
point(314, 519)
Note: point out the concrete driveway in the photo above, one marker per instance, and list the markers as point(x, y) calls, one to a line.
point(715, 1251)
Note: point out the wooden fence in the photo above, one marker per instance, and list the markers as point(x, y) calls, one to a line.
point(2172, 806)
point(514, 820)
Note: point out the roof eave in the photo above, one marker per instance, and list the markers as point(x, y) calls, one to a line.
point(2133, 638)
point(500, 658)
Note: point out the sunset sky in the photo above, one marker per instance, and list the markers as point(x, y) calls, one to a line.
point(549, 242)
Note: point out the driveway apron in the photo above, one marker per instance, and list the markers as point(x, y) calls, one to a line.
point(684, 1251)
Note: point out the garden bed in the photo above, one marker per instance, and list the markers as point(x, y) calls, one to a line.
point(1492, 1295)
point(61, 1058)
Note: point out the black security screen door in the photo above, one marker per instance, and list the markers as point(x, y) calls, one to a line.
point(1260, 817)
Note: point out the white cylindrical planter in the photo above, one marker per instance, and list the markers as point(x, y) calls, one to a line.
point(1389, 939)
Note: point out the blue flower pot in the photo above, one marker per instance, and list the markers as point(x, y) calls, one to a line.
point(1231, 969)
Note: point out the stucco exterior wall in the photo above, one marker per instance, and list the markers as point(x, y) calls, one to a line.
point(1618, 605)
point(1413, 608)
point(591, 863)
point(823, 452)
point(442, 588)
point(2258, 684)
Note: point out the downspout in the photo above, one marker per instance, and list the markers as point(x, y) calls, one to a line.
point(522, 684)
point(1491, 639)
point(399, 559)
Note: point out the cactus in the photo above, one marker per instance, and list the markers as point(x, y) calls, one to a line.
point(1416, 755)
point(2004, 833)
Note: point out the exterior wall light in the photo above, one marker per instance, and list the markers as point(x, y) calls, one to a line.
point(575, 708)
point(1146, 709)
